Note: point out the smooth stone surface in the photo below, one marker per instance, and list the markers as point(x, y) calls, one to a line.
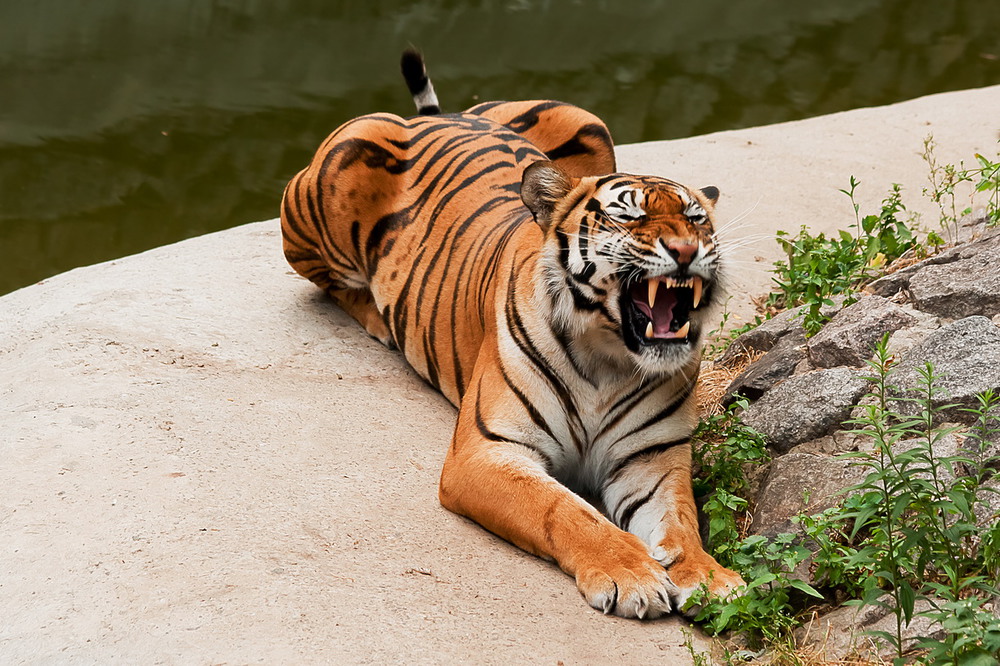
point(204, 461)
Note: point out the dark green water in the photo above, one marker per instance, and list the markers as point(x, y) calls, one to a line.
point(127, 124)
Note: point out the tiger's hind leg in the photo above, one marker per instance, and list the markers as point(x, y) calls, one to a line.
point(332, 273)
point(329, 210)
point(360, 304)
point(576, 140)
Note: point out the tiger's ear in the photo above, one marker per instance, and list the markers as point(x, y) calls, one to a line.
point(711, 193)
point(542, 186)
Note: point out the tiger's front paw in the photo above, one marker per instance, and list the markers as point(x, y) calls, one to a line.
point(690, 571)
point(625, 581)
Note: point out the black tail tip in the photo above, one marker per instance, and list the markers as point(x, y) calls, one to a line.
point(412, 66)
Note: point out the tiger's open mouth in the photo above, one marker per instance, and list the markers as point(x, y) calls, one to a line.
point(656, 310)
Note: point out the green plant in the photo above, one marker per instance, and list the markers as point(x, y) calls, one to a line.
point(916, 514)
point(723, 449)
point(697, 658)
point(764, 611)
point(946, 181)
point(908, 532)
point(817, 268)
point(719, 338)
point(920, 527)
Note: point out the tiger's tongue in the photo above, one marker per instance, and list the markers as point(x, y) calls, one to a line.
point(661, 314)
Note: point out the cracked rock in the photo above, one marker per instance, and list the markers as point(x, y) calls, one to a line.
point(801, 483)
point(806, 406)
point(965, 356)
point(959, 282)
point(849, 338)
point(768, 370)
point(764, 337)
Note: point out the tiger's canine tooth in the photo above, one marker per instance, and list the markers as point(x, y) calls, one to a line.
point(682, 332)
point(654, 286)
point(649, 329)
point(697, 292)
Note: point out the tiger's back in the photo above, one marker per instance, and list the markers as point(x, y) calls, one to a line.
point(407, 223)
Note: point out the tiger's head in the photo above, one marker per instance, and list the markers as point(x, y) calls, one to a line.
point(630, 262)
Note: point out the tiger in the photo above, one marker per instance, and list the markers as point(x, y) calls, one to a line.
point(557, 303)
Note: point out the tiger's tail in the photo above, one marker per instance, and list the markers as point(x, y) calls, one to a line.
point(412, 64)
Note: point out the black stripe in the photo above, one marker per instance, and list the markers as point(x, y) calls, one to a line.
point(627, 402)
point(576, 200)
point(564, 341)
point(446, 248)
point(485, 106)
point(606, 179)
point(628, 513)
point(664, 413)
point(521, 338)
point(433, 372)
point(580, 300)
point(535, 416)
point(311, 237)
point(589, 267)
point(649, 451)
point(488, 434)
point(524, 152)
point(530, 118)
point(575, 146)
point(492, 264)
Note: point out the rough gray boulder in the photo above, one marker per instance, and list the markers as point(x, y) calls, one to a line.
point(848, 338)
point(801, 483)
point(842, 441)
point(805, 407)
point(959, 282)
point(771, 368)
point(763, 338)
point(965, 356)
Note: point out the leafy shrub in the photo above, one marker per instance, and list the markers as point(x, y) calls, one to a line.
point(910, 529)
point(818, 268)
point(724, 448)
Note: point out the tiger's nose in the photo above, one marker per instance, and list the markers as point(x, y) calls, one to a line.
point(682, 252)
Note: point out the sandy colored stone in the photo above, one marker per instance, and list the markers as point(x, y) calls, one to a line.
point(801, 483)
point(204, 461)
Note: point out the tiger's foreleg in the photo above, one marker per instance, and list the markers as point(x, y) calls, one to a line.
point(652, 498)
point(504, 486)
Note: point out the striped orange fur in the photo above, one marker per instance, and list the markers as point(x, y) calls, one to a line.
point(558, 304)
